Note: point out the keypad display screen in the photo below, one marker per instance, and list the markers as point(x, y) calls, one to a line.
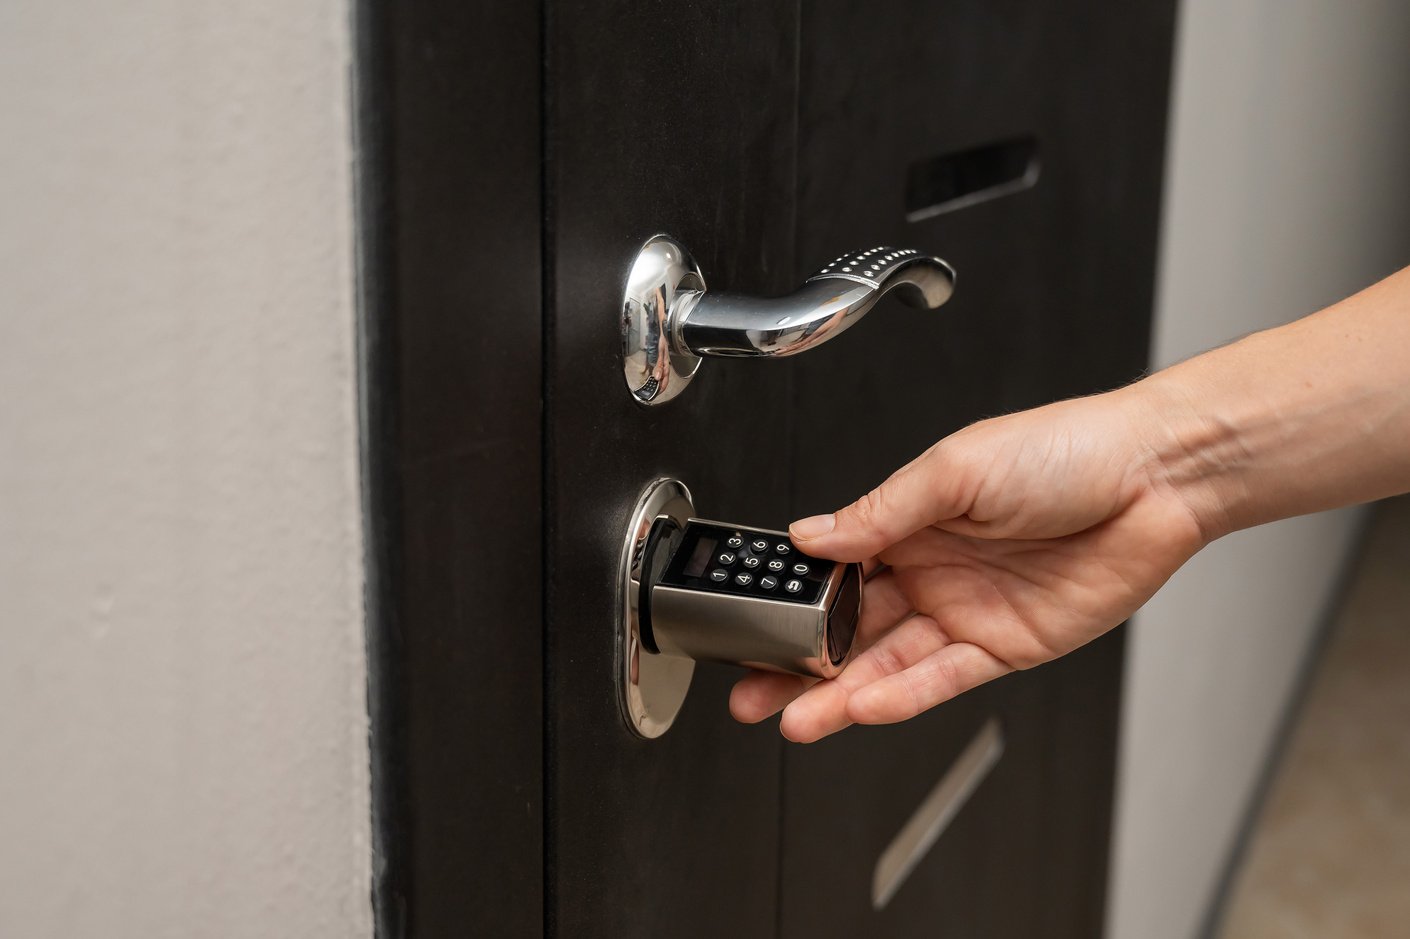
point(701, 557)
point(745, 562)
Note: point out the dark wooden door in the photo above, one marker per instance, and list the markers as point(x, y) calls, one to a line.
point(515, 157)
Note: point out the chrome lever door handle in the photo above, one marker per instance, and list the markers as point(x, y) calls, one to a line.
point(670, 321)
point(831, 300)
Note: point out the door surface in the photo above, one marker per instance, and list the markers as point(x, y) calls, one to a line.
point(515, 159)
point(1053, 300)
point(675, 118)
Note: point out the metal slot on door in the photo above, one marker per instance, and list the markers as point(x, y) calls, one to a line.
point(929, 821)
point(958, 180)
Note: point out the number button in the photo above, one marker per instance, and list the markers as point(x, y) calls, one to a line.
point(719, 575)
point(793, 586)
point(743, 579)
point(726, 558)
point(800, 569)
point(750, 561)
point(735, 542)
point(776, 565)
point(758, 546)
point(768, 582)
point(783, 547)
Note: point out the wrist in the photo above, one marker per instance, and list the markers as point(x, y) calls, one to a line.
point(1303, 417)
point(1194, 450)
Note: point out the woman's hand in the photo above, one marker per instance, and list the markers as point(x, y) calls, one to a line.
point(1019, 539)
point(1007, 544)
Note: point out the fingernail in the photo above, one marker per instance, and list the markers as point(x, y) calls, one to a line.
point(813, 527)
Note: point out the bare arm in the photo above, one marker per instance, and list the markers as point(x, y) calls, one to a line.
point(1308, 416)
point(1020, 538)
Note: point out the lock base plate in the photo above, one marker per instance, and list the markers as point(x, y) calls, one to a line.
point(651, 687)
point(655, 366)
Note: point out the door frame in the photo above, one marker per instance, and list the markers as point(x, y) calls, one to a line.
point(449, 196)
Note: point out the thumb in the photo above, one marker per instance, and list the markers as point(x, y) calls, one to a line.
point(919, 494)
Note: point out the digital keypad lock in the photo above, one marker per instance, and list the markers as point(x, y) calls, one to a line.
point(712, 591)
point(694, 590)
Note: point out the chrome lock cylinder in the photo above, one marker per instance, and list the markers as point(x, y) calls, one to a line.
point(697, 590)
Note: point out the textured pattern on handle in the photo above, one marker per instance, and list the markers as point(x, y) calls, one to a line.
point(870, 265)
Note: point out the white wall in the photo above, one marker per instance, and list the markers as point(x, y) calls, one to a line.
point(183, 732)
point(1288, 188)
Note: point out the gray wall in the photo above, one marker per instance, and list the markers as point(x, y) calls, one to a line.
point(182, 719)
point(1288, 188)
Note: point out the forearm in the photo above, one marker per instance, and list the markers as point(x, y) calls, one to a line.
point(1307, 416)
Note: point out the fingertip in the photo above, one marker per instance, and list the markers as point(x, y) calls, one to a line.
point(814, 526)
point(796, 729)
point(741, 708)
point(816, 714)
point(759, 695)
point(870, 705)
point(837, 547)
point(847, 535)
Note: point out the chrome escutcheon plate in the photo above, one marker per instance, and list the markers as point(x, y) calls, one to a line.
point(651, 687)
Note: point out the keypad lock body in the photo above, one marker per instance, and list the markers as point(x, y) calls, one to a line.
point(720, 592)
